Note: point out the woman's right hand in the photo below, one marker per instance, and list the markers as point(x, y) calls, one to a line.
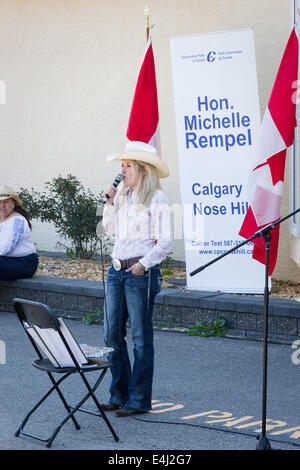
point(110, 190)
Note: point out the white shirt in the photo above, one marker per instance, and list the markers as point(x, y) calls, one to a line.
point(140, 231)
point(15, 237)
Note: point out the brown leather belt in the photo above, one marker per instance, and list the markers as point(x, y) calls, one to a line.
point(125, 263)
point(129, 262)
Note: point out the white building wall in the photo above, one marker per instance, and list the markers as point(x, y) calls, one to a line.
point(70, 69)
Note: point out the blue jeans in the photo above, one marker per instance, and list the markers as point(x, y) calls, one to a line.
point(18, 267)
point(130, 296)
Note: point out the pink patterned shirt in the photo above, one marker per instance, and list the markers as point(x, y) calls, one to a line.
point(139, 230)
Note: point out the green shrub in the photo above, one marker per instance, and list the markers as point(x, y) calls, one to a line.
point(217, 328)
point(70, 208)
point(166, 266)
point(96, 317)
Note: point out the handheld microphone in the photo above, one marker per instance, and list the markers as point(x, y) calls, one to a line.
point(119, 177)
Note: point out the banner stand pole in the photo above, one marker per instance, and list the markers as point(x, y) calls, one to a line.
point(263, 441)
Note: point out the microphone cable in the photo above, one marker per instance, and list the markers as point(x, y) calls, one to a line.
point(105, 317)
point(215, 428)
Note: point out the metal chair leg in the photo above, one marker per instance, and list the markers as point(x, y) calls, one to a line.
point(91, 390)
point(20, 430)
point(68, 408)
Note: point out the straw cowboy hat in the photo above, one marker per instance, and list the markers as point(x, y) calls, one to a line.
point(140, 151)
point(8, 193)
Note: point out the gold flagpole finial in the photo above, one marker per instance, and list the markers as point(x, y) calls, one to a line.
point(147, 15)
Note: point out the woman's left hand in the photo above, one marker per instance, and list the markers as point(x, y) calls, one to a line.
point(136, 270)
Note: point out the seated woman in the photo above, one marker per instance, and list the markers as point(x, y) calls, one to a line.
point(18, 256)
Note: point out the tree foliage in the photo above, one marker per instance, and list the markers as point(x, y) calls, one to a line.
point(70, 208)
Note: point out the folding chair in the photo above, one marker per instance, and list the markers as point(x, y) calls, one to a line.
point(61, 354)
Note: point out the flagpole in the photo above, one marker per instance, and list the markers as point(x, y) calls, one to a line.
point(147, 15)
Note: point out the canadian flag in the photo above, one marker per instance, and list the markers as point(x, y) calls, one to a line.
point(276, 134)
point(143, 123)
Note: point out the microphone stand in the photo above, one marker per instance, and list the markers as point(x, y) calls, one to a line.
point(263, 441)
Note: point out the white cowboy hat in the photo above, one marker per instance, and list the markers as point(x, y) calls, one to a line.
point(140, 151)
point(8, 193)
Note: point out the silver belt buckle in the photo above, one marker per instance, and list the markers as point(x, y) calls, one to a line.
point(116, 264)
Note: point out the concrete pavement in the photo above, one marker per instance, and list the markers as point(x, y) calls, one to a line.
point(207, 395)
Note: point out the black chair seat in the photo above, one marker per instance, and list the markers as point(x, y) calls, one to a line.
point(47, 366)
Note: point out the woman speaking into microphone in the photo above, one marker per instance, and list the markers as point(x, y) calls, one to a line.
point(137, 214)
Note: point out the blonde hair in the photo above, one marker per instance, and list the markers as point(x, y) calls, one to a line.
point(148, 183)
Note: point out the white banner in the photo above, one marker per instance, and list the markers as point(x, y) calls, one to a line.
point(217, 119)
